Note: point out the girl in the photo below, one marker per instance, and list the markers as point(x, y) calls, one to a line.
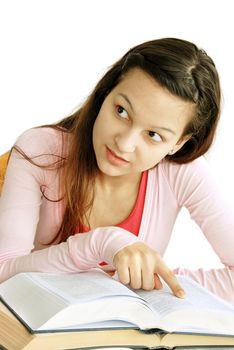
point(103, 187)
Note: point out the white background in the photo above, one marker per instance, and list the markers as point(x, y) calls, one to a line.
point(52, 53)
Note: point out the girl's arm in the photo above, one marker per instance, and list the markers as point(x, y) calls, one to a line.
point(196, 189)
point(20, 205)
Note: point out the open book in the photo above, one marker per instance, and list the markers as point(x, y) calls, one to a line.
point(93, 301)
point(14, 336)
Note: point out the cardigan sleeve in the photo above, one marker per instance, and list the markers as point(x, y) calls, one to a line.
point(196, 189)
point(20, 205)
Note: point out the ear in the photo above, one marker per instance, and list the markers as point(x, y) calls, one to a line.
point(181, 143)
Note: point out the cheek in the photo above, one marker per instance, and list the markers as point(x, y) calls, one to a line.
point(97, 134)
point(101, 131)
point(95, 127)
point(103, 121)
point(153, 157)
point(98, 126)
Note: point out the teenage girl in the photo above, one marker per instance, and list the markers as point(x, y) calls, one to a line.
point(103, 187)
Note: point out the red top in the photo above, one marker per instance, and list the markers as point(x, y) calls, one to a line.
point(133, 221)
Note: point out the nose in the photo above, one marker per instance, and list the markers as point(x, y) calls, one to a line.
point(126, 142)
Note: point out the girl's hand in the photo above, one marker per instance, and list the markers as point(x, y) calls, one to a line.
point(139, 266)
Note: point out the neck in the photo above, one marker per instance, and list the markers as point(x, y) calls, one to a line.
point(120, 183)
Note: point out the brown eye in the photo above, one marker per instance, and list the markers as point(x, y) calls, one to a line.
point(154, 136)
point(121, 112)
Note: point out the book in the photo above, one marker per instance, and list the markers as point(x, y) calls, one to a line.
point(92, 309)
point(14, 336)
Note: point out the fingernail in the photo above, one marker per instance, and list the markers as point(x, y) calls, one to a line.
point(181, 293)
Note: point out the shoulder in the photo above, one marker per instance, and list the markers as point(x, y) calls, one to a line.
point(196, 168)
point(182, 179)
point(42, 140)
point(188, 182)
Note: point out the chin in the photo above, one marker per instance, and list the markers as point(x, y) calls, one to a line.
point(108, 170)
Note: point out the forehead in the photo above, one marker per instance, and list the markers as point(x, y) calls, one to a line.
point(149, 99)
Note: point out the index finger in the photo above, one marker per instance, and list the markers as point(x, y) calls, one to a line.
point(169, 277)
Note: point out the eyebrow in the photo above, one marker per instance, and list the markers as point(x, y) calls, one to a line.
point(165, 129)
point(127, 100)
point(152, 127)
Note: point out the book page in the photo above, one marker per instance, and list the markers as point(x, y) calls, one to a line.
point(82, 287)
point(197, 297)
point(199, 311)
point(19, 293)
point(56, 301)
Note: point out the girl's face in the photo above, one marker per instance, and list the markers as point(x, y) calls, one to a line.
point(138, 124)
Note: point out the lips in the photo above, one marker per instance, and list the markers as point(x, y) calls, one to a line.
point(115, 155)
point(114, 158)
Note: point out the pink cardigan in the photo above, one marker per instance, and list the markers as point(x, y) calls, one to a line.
point(27, 220)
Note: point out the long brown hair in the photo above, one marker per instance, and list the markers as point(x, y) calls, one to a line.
point(179, 66)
